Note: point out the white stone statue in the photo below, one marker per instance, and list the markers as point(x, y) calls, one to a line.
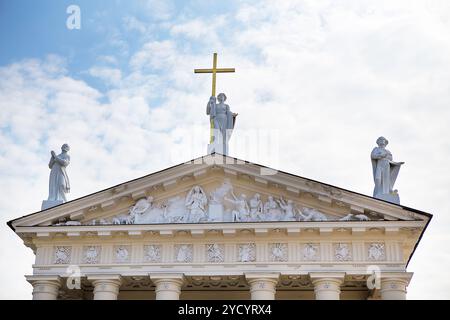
point(288, 208)
point(196, 202)
point(310, 214)
point(385, 172)
point(241, 213)
point(256, 208)
point(272, 210)
point(59, 181)
point(223, 121)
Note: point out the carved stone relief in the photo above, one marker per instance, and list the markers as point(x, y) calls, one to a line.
point(62, 255)
point(91, 254)
point(246, 252)
point(311, 252)
point(122, 254)
point(183, 253)
point(152, 253)
point(376, 251)
point(220, 205)
point(342, 252)
point(278, 252)
point(215, 252)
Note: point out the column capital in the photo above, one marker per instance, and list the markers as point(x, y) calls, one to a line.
point(331, 276)
point(401, 276)
point(176, 277)
point(262, 285)
point(266, 276)
point(100, 277)
point(327, 285)
point(394, 284)
point(168, 285)
point(45, 287)
point(50, 278)
point(106, 286)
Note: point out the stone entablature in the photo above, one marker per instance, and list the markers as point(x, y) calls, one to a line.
point(244, 243)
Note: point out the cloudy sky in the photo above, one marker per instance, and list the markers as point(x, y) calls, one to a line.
point(316, 81)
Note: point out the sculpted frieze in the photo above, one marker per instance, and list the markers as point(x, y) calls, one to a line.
point(218, 205)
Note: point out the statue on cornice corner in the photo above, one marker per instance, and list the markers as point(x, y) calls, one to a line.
point(59, 181)
point(385, 172)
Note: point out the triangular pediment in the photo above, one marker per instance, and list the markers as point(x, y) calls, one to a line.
point(210, 189)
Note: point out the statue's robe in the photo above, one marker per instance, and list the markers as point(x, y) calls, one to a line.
point(385, 171)
point(223, 121)
point(59, 181)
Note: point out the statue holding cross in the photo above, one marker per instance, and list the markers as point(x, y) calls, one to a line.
point(222, 120)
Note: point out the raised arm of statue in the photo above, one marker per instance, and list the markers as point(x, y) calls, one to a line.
point(210, 107)
point(52, 160)
point(63, 161)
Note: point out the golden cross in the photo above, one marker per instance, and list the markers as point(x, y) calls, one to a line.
point(214, 70)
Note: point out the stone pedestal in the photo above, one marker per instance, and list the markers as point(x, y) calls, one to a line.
point(50, 203)
point(168, 286)
point(106, 287)
point(45, 287)
point(262, 286)
point(327, 286)
point(391, 197)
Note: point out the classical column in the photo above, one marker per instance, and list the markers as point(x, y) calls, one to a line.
point(106, 287)
point(168, 286)
point(393, 285)
point(45, 287)
point(262, 285)
point(327, 286)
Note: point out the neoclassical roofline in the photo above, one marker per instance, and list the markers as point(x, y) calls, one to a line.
point(232, 166)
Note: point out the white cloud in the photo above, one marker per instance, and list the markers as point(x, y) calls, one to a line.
point(331, 77)
point(108, 75)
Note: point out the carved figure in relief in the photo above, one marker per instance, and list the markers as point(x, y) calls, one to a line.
point(288, 208)
point(153, 253)
point(184, 253)
point(256, 208)
point(272, 210)
point(215, 253)
point(278, 252)
point(217, 196)
point(241, 213)
point(351, 216)
point(246, 253)
point(121, 254)
point(376, 251)
point(309, 214)
point(196, 202)
point(175, 210)
point(310, 251)
point(342, 252)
